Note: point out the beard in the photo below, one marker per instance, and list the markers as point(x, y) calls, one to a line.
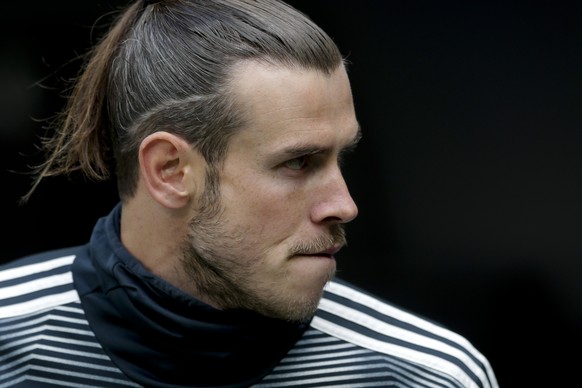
point(220, 278)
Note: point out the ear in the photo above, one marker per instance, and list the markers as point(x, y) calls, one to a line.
point(170, 169)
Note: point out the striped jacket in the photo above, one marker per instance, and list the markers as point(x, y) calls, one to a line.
point(354, 340)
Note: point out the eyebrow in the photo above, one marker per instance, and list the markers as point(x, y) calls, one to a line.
point(300, 150)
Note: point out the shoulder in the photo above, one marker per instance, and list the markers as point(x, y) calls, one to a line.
point(41, 257)
point(360, 318)
point(37, 282)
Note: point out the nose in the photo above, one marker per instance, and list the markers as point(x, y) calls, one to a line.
point(334, 204)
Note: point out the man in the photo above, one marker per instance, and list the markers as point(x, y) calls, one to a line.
point(224, 122)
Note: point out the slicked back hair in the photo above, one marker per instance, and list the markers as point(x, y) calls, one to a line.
point(166, 65)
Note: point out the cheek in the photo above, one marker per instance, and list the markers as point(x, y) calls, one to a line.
point(264, 206)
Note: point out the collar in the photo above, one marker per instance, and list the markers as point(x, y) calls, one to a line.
point(160, 336)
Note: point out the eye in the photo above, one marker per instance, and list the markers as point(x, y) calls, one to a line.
point(296, 163)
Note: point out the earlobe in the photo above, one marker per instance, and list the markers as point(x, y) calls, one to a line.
point(166, 170)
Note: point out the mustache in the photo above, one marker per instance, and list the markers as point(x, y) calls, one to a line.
point(336, 238)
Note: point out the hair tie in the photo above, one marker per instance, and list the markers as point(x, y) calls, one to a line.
point(149, 2)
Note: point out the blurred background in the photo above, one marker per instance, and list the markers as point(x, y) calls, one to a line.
point(468, 178)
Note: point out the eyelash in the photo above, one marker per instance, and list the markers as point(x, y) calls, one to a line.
point(304, 161)
point(307, 161)
point(310, 160)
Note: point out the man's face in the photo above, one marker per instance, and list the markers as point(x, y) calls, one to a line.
point(283, 200)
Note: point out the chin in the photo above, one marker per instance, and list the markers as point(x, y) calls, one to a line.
point(310, 291)
point(300, 311)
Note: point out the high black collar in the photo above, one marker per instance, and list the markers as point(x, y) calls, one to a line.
point(160, 336)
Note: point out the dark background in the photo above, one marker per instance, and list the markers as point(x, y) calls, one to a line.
point(468, 177)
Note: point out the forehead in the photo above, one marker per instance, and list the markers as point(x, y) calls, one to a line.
point(284, 104)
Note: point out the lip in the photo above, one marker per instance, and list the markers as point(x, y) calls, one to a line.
point(332, 250)
point(328, 253)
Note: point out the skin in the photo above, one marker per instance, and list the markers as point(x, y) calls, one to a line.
point(270, 245)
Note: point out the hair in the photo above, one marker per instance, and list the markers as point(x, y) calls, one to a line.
point(165, 66)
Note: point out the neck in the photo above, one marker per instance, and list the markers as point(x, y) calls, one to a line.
point(154, 234)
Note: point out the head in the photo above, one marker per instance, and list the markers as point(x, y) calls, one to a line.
point(256, 97)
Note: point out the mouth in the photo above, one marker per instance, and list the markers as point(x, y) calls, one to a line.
point(326, 253)
point(325, 246)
